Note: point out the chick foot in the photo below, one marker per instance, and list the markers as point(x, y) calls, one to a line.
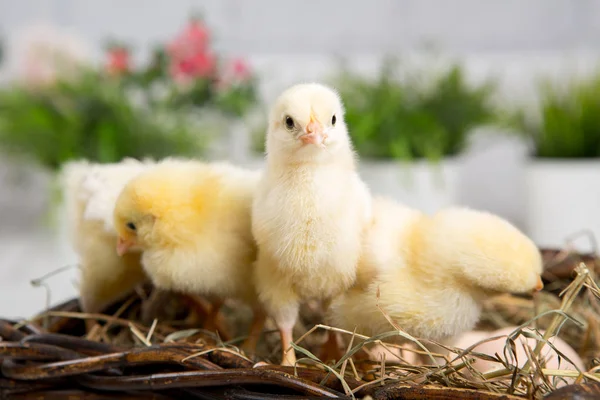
point(288, 357)
point(212, 320)
point(330, 351)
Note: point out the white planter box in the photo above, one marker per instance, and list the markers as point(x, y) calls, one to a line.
point(421, 184)
point(563, 199)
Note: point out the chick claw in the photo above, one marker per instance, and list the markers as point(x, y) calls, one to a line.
point(289, 358)
point(260, 364)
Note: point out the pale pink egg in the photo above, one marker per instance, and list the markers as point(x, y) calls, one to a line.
point(497, 346)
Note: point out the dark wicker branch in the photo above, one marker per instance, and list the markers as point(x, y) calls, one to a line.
point(195, 379)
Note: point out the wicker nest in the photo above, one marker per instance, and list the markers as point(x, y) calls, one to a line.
point(559, 271)
point(64, 353)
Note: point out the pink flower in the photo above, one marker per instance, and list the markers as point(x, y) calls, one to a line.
point(194, 39)
point(236, 73)
point(197, 34)
point(118, 61)
point(200, 65)
point(190, 57)
point(240, 69)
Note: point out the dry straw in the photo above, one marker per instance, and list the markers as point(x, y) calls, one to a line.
point(200, 362)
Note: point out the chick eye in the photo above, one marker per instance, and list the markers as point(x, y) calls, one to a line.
point(289, 123)
point(131, 226)
point(333, 120)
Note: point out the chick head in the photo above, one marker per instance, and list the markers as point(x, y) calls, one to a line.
point(158, 208)
point(132, 220)
point(307, 123)
point(486, 251)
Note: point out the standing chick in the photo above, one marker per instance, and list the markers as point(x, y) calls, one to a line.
point(310, 208)
point(192, 222)
point(432, 273)
point(90, 192)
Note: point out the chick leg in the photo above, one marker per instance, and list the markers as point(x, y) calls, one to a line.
point(201, 307)
point(331, 348)
point(153, 304)
point(285, 317)
point(258, 323)
point(288, 355)
point(212, 323)
point(280, 302)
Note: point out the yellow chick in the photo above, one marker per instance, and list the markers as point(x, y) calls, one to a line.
point(90, 192)
point(310, 209)
point(432, 273)
point(192, 222)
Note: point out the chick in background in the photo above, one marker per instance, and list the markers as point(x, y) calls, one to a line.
point(192, 222)
point(310, 208)
point(90, 192)
point(429, 274)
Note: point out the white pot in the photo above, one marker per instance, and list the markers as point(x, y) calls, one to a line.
point(254, 161)
point(563, 199)
point(239, 141)
point(421, 184)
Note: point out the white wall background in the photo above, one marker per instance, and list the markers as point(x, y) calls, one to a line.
point(293, 40)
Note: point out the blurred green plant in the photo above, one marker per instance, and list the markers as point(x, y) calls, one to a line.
point(236, 100)
point(92, 118)
point(71, 111)
point(404, 119)
point(258, 136)
point(568, 121)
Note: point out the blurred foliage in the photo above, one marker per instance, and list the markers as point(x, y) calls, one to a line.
point(404, 119)
point(190, 72)
point(89, 118)
point(116, 111)
point(568, 123)
point(236, 102)
point(258, 136)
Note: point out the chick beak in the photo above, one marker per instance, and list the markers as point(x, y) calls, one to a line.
point(123, 246)
point(314, 133)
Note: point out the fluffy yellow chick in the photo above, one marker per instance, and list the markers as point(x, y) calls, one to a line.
point(192, 222)
point(90, 192)
point(310, 209)
point(432, 273)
